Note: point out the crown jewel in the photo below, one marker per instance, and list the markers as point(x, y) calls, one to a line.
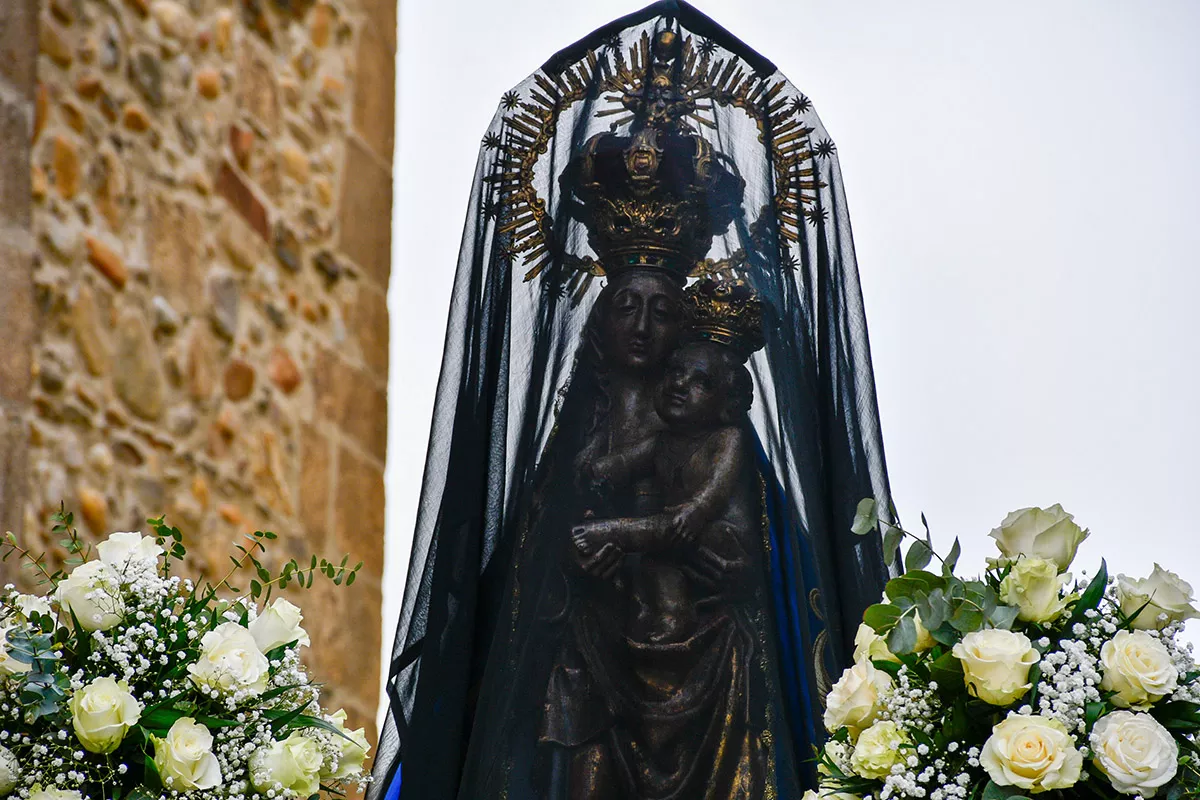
point(728, 312)
point(657, 196)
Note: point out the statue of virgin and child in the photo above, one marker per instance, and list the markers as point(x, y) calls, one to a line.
point(633, 569)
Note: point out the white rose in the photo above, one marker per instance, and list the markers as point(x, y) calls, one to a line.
point(92, 592)
point(1033, 532)
point(828, 794)
point(1164, 594)
point(230, 662)
point(293, 764)
point(879, 748)
point(38, 793)
point(29, 604)
point(8, 664)
point(354, 747)
point(10, 771)
point(277, 625)
point(1031, 752)
point(1035, 587)
point(1138, 755)
point(102, 713)
point(185, 757)
point(870, 646)
point(996, 664)
point(854, 701)
point(1138, 668)
point(129, 549)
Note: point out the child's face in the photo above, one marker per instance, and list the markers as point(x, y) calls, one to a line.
point(694, 387)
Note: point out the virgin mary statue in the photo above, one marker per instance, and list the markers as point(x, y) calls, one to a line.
point(633, 570)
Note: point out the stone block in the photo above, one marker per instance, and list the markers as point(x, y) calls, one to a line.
point(367, 322)
point(176, 245)
point(15, 178)
point(366, 212)
point(14, 448)
point(19, 45)
point(242, 198)
point(353, 400)
point(314, 486)
point(359, 515)
point(20, 322)
point(375, 93)
point(345, 628)
point(381, 15)
point(257, 94)
point(137, 374)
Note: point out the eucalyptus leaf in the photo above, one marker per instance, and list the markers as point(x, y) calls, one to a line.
point(951, 560)
point(919, 556)
point(1003, 616)
point(881, 616)
point(891, 544)
point(866, 517)
point(903, 637)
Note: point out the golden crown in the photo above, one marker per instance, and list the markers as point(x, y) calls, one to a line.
point(656, 196)
point(728, 312)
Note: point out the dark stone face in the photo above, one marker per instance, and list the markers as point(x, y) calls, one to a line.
point(643, 321)
point(694, 390)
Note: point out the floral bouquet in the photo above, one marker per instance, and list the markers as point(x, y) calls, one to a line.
point(1021, 682)
point(124, 682)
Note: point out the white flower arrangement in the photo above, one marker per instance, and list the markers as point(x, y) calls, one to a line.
point(125, 682)
point(1021, 683)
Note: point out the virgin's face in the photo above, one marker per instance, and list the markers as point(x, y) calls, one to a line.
point(643, 321)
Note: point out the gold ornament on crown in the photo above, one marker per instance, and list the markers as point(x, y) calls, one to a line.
point(664, 87)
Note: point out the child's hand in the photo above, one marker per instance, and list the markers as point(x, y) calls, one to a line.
point(590, 536)
point(605, 563)
point(684, 524)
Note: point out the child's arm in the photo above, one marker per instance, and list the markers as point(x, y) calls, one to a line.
point(623, 466)
point(711, 498)
point(630, 534)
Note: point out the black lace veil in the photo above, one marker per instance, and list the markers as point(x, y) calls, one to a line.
point(484, 604)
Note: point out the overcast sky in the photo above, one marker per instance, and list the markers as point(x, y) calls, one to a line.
point(1024, 188)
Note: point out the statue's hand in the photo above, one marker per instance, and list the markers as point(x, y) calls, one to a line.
point(605, 562)
point(710, 569)
point(591, 535)
point(684, 524)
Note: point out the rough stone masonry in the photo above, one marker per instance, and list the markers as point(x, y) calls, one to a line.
point(195, 202)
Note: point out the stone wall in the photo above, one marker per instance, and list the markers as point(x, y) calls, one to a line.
point(195, 314)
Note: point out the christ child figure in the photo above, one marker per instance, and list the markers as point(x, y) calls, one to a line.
point(691, 552)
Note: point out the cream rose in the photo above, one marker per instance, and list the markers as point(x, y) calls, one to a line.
point(1138, 755)
point(1165, 596)
point(828, 794)
point(92, 592)
point(1035, 587)
point(854, 701)
point(8, 664)
point(354, 747)
point(129, 549)
point(102, 713)
point(279, 624)
point(1138, 668)
point(185, 757)
point(996, 664)
point(293, 764)
point(870, 646)
point(30, 604)
point(10, 771)
point(38, 793)
point(1033, 532)
point(878, 749)
point(230, 662)
point(1034, 753)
